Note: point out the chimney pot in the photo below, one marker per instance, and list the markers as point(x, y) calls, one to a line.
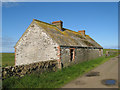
point(82, 32)
point(59, 24)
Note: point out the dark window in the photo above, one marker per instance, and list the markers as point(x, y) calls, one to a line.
point(72, 56)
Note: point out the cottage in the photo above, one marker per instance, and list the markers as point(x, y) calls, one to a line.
point(43, 41)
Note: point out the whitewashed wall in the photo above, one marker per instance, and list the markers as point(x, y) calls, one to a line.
point(35, 46)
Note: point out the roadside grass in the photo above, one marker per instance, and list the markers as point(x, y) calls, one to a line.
point(8, 59)
point(54, 79)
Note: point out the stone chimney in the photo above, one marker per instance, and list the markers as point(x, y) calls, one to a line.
point(82, 32)
point(59, 24)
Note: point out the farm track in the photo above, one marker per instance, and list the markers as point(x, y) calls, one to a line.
point(108, 70)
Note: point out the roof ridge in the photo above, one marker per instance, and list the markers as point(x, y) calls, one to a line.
point(66, 39)
point(54, 25)
point(43, 22)
point(72, 31)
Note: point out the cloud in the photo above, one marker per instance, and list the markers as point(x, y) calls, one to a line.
point(9, 0)
point(9, 4)
point(0, 3)
point(111, 47)
point(7, 44)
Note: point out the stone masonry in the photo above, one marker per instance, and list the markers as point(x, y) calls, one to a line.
point(81, 54)
point(22, 70)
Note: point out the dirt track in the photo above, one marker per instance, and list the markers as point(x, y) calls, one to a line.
point(108, 70)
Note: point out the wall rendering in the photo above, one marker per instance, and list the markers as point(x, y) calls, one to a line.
point(35, 46)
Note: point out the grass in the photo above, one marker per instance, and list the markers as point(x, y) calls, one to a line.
point(104, 50)
point(8, 59)
point(54, 79)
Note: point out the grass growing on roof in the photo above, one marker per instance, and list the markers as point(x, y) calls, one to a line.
point(59, 32)
point(64, 35)
point(54, 79)
point(88, 43)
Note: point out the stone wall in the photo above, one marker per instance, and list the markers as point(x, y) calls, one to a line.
point(34, 46)
point(81, 54)
point(22, 70)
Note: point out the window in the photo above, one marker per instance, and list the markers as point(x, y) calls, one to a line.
point(72, 54)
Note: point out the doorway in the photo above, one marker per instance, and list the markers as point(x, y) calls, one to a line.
point(72, 56)
point(99, 52)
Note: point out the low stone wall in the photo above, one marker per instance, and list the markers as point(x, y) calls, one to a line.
point(27, 69)
point(111, 52)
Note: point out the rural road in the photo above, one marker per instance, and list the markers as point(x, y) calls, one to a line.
point(108, 70)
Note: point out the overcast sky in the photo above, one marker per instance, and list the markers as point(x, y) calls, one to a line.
point(100, 20)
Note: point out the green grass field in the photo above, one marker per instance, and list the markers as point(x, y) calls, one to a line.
point(8, 59)
point(54, 79)
point(104, 50)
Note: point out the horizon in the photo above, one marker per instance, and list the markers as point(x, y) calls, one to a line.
point(103, 48)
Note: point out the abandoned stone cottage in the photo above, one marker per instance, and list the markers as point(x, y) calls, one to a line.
point(43, 41)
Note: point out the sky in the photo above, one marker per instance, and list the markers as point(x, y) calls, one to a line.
point(98, 19)
point(60, 0)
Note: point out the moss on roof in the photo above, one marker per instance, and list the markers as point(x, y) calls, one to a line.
point(67, 37)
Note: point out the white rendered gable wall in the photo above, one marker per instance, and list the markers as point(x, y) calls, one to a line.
point(35, 46)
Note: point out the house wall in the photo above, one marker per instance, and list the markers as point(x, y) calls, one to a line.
point(35, 46)
point(81, 54)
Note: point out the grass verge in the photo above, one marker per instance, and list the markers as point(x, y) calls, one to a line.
point(54, 79)
point(8, 59)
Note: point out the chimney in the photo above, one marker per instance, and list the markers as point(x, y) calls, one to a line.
point(82, 32)
point(59, 24)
